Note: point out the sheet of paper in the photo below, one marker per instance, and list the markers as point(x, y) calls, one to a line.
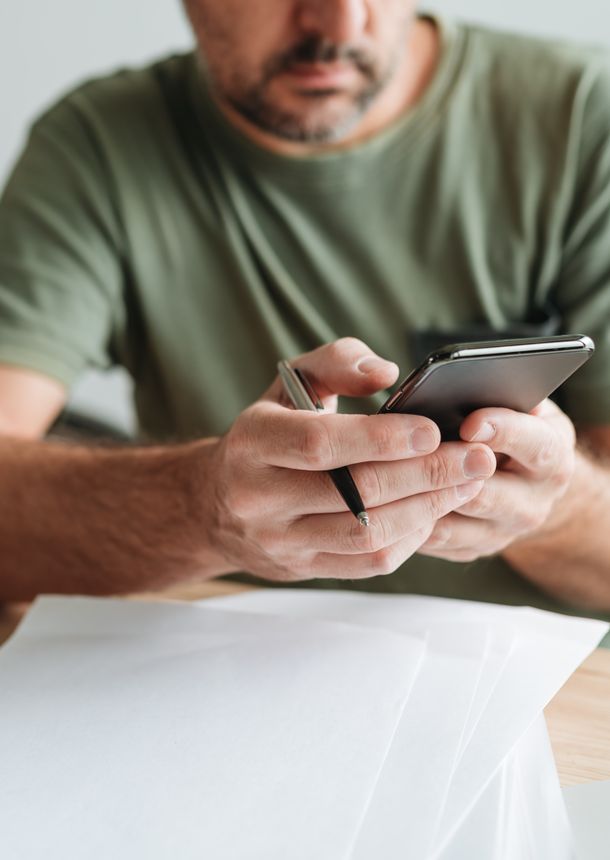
point(536, 652)
point(484, 831)
point(540, 808)
point(415, 611)
point(165, 731)
point(536, 669)
point(521, 814)
point(163, 702)
point(456, 680)
point(409, 794)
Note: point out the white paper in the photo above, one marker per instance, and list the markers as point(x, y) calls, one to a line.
point(414, 780)
point(164, 731)
point(483, 832)
point(521, 814)
point(536, 669)
point(171, 730)
point(534, 652)
point(539, 803)
point(411, 611)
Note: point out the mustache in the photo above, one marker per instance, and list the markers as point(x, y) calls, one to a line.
point(316, 50)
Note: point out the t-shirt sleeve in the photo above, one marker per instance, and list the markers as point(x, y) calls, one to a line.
point(582, 291)
point(60, 251)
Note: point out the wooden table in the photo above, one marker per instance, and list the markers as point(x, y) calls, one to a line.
point(578, 717)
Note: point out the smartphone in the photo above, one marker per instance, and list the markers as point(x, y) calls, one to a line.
point(518, 374)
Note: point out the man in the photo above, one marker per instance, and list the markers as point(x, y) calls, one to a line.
point(336, 172)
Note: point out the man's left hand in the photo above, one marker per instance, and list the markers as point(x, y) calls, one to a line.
point(536, 458)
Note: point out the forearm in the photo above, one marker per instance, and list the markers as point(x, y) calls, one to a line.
point(570, 556)
point(100, 520)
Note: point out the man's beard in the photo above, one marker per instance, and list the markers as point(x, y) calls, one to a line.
point(254, 105)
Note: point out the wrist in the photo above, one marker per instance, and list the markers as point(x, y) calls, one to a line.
point(203, 492)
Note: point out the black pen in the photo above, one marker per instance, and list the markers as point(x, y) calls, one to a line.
point(302, 396)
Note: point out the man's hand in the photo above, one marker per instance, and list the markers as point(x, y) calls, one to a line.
point(536, 455)
point(275, 512)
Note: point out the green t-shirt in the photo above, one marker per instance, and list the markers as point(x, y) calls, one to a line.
point(140, 228)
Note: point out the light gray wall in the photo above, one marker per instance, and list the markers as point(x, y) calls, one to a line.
point(45, 47)
point(585, 21)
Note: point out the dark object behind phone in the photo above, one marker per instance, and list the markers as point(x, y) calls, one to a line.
point(517, 374)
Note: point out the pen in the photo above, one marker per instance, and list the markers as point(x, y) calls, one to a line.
point(302, 396)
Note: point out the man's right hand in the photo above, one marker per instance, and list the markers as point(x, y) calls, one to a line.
point(106, 520)
point(272, 509)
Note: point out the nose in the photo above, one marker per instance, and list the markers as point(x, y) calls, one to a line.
point(336, 20)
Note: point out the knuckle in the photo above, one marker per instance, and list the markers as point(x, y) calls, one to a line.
point(243, 432)
point(346, 346)
point(435, 505)
point(436, 470)
point(366, 540)
point(382, 437)
point(440, 535)
point(315, 447)
point(384, 561)
point(234, 439)
point(241, 501)
point(301, 565)
point(544, 454)
point(369, 484)
point(530, 519)
point(422, 534)
point(563, 472)
point(251, 416)
point(269, 542)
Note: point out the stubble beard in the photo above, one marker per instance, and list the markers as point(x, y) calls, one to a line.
point(318, 121)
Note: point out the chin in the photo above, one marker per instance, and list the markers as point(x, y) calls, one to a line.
point(309, 118)
point(306, 130)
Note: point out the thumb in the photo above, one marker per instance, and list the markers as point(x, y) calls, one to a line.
point(346, 366)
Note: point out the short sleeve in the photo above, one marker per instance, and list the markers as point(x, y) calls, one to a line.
point(582, 292)
point(60, 251)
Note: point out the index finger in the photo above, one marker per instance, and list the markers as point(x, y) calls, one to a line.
point(297, 439)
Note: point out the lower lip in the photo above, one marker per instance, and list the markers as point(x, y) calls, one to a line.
point(321, 77)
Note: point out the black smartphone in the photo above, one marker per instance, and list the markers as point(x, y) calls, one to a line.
point(518, 374)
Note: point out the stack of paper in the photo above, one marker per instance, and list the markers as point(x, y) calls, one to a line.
point(284, 724)
point(434, 794)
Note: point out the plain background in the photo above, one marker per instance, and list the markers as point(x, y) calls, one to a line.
point(47, 47)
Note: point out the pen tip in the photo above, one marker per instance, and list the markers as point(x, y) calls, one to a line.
point(363, 518)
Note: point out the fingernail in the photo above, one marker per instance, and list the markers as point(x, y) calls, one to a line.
point(423, 439)
point(371, 363)
point(485, 433)
point(476, 464)
point(464, 492)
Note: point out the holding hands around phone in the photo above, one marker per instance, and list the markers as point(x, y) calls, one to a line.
point(536, 453)
point(275, 511)
point(259, 498)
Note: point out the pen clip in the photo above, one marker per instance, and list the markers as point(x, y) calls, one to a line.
point(309, 389)
point(302, 395)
